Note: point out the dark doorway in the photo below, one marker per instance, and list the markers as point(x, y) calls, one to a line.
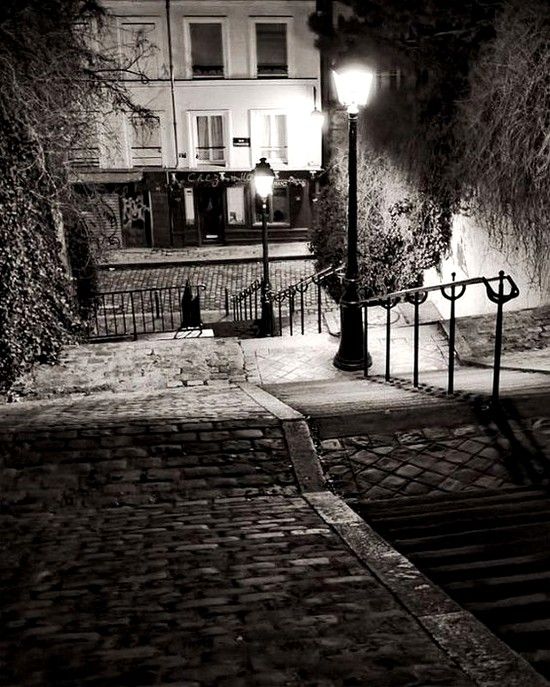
point(210, 213)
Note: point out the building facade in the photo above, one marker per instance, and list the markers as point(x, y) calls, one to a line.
point(228, 82)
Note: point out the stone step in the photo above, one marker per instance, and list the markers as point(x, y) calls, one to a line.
point(479, 569)
point(506, 534)
point(488, 552)
point(470, 522)
point(413, 507)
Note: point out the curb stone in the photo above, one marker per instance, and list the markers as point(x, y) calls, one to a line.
point(478, 652)
point(301, 450)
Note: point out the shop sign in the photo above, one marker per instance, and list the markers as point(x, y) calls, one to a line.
point(216, 178)
point(241, 142)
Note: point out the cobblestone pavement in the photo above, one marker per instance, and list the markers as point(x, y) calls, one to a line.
point(212, 593)
point(136, 366)
point(128, 256)
point(189, 404)
point(216, 278)
point(430, 460)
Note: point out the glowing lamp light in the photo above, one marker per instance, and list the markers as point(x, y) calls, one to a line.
point(264, 177)
point(353, 84)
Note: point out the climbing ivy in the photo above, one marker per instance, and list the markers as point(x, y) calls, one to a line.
point(54, 77)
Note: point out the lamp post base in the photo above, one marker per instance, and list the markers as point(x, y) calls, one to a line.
point(350, 354)
point(266, 319)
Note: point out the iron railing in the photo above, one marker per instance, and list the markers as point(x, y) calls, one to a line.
point(297, 292)
point(246, 304)
point(451, 291)
point(119, 314)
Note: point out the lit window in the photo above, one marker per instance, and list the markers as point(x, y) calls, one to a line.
point(235, 204)
point(277, 207)
point(271, 136)
point(145, 142)
point(206, 49)
point(209, 140)
point(271, 50)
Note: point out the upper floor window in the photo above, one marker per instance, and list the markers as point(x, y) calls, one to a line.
point(209, 139)
point(139, 46)
point(206, 49)
point(271, 49)
point(269, 131)
point(145, 142)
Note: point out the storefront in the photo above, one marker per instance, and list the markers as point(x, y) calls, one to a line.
point(178, 209)
point(220, 207)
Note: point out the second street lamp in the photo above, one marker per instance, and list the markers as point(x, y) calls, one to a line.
point(263, 183)
point(353, 85)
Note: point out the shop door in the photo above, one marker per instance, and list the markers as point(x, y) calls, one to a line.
point(210, 213)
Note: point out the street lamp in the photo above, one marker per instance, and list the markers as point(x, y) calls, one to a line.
point(353, 85)
point(263, 183)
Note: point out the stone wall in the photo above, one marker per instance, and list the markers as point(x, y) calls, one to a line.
point(522, 330)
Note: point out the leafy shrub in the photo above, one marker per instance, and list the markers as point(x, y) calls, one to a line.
point(401, 231)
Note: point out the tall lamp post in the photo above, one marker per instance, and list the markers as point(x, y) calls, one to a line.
point(352, 85)
point(263, 183)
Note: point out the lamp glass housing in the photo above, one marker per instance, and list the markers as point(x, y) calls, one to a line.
point(353, 85)
point(264, 177)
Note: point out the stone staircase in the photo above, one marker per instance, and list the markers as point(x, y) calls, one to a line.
point(488, 550)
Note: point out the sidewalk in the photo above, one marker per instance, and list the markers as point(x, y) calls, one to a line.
point(192, 255)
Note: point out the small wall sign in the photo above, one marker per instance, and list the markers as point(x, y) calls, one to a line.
point(241, 142)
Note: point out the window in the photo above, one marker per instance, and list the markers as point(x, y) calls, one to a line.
point(270, 136)
point(145, 142)
point(277, 206)
point(84, 157)
point(235, 204)
point(209, 139)
point(271, 49)
point(139, 48)
point(206, 49)
point(85, 150)
point(189, 206)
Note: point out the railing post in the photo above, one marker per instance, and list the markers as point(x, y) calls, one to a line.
point(416, 339)
point(157, 305)
point(388, 339)
point(498, 339)
point(319, 304)
point(134, 325)
point(302, 314)
point(366, 341)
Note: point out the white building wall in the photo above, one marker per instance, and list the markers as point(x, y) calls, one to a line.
point(474, 254)
point(237, 94)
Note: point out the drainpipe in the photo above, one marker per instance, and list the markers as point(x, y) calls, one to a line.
point(174, 121)
point(172, 91)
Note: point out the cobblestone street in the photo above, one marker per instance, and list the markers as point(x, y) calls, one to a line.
point(216, 277)
point(231, 592)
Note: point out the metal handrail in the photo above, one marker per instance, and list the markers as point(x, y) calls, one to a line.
point(131, 312)
point(245, 304)
point(301, 287)
point(451, 291)
point(306, 281)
